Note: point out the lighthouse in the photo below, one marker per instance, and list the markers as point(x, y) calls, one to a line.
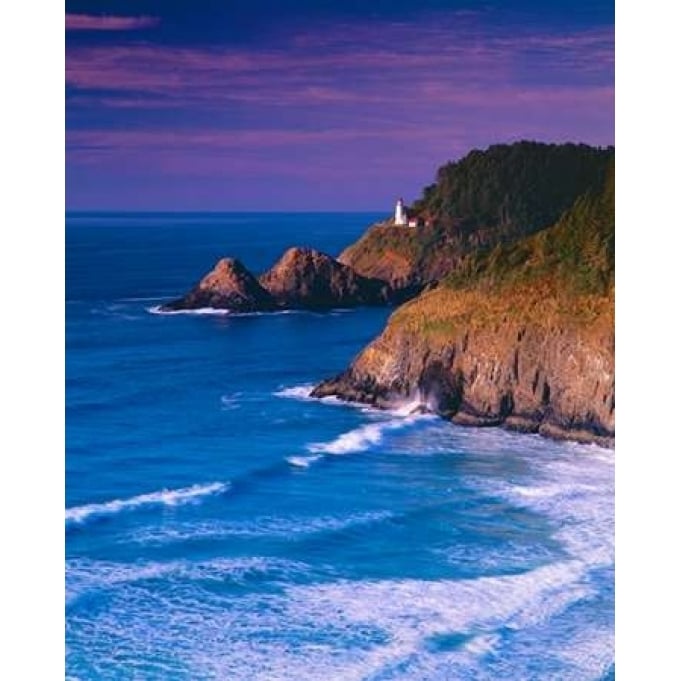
point(400, 213)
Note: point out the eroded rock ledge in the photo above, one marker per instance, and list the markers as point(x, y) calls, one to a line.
point(558, 382)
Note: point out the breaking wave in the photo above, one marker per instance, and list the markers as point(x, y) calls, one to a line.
point(367, 436)
point(297, 392)
point(259, 527)
point(185, 495)
point(219, 312)
point(302, 461)
point(200, 311)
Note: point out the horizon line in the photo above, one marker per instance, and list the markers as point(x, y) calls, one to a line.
point(166, 211)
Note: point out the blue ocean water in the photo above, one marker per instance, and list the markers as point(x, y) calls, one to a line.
point(222, 525)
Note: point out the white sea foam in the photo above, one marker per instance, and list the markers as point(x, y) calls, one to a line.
point(366, 436)
point(166, 497)
point(444, 606)
point(574, 489)
point(502, 627)
point(482, 644)
point(85, 575)
point(297, 392)
point(302, 461)
point(346, 630)
point(200, 311)
point(303, 394)
point(577, 492)
point(409, 407)
point(220, 312)
point(273, 527)
point(97, 574)
point(232, 401)
point(356, 440)
point(410, 613)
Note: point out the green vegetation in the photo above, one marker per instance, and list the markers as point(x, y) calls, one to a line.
point(488, 199)
point(559, 277)
point(577, 253)
point(518, 187)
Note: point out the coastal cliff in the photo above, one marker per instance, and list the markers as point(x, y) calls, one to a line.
point(487, 198)
point(520, 335)
point(509, 278)
point(537, 371)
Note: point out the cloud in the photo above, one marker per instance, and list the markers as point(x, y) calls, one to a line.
point(342, 67)
point(219, 141)
point(370, 75)
point(258, 158)
point(372, 148)
point(103, 22)
point(387, 103)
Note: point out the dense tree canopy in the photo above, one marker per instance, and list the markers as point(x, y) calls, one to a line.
point(578, 252)
point(523, 186)
point(488, 199)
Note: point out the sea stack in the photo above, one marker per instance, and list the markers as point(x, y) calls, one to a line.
point(228, 286)
point(308, 279)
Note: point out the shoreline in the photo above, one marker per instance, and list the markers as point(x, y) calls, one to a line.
point(512, 423)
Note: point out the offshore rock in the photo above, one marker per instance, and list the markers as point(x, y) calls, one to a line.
point(306, 278)
point(229, 286)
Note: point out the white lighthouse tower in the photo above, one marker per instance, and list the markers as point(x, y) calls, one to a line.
point(400, 213)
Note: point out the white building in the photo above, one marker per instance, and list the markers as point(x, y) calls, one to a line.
point(400, 213)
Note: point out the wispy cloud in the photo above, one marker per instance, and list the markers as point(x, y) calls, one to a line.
point(218, 142)
point(322, 158)
point(359, 107)
point(466, 64)
point(104, 22)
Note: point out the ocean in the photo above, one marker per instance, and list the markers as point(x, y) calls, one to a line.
point(220, 524)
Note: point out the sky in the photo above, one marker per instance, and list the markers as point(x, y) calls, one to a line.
point(317, 105)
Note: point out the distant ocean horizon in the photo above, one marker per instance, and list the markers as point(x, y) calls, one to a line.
point(220, 213)
point(222, 524)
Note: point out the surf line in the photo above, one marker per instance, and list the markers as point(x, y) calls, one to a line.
point(166, 497)
point(364, 437)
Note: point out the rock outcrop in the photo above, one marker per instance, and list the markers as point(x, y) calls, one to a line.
point(497, 196)
point(306, 278)
point(510, 282)
point(302, 279)
point(521, 335)
point(555, 378)
point(229, 286)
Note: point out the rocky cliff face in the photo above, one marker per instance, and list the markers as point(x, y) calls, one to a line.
point(492, 197)
point(550, 375)
point(514, 272)
point(409, 258)
point(229, 286)
point(305, 278)
point(521, 335)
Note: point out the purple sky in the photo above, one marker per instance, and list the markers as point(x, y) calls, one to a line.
point(258, 107)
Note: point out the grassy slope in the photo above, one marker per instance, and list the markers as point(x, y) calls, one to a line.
point(561, 276)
